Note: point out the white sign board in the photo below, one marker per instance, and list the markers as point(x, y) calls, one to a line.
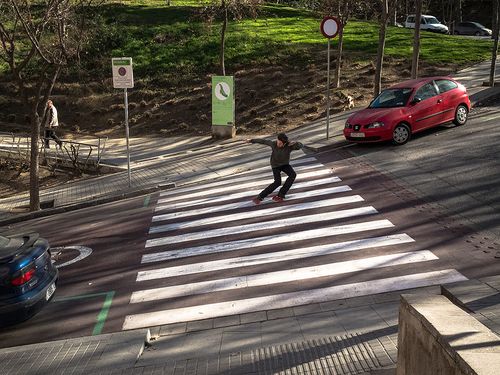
point(123, 75)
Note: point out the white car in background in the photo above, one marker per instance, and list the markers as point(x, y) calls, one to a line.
point(429, 23)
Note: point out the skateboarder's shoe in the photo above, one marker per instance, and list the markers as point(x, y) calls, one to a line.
point(256, 200)
point(277, 198)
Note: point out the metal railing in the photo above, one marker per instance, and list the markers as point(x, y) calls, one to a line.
point(81, 156)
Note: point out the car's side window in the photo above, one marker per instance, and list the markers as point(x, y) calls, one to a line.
point(445, 85)
point(411, 19)
point(426, 91)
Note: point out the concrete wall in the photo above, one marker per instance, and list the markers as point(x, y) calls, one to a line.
point(437, 337)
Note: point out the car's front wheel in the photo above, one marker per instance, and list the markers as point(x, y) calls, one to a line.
point(461, 114)
point(401, 134)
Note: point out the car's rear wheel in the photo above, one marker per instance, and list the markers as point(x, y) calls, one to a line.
point(401, 134)
point(461, 114)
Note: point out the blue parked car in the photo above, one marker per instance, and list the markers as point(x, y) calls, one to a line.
point(27, 277)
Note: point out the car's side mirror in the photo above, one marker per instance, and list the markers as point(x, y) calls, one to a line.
point(415, 101)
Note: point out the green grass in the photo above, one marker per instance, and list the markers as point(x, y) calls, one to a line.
point(165, 40)
point(278, 31)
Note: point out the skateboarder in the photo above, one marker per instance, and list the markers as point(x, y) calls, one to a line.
point(280, 162)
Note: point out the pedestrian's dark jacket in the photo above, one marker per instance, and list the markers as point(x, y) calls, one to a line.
point(279, 155)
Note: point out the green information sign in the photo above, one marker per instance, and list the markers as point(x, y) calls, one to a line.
point(223, 100)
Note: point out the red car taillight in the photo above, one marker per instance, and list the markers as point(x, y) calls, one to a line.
point(23, 278)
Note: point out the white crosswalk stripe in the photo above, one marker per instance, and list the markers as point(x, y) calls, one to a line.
point(280, 256)
point(249, 184)
point(278, 301)
point(249, 194)
point(263, 214)
point(266, 241)
point(229, 257)
point(281, 223)
point(294, 274)
point(234, 180)
point(232, 206)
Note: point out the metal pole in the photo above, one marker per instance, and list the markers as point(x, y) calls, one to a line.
point(328, 93)
point(127, 135)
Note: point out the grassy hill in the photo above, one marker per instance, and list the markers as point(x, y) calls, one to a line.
point(278, 59)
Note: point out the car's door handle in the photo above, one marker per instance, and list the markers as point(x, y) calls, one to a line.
point(440, 101)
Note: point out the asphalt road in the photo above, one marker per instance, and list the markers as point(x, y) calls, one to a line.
point(200, 253)
point(456, 168)
point(114, 232)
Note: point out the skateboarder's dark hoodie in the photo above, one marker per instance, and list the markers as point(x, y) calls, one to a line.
point(280, 162)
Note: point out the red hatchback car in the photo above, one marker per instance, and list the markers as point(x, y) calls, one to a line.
point(407, 108)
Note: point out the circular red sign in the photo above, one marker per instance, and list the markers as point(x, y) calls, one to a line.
point(122, 71)
point(330, 27)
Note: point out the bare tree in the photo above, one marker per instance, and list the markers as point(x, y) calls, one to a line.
point(223, 9)
point(494, 53)
point(37, 40)
point(343, 14)
point(416, 39)
point(384, 17)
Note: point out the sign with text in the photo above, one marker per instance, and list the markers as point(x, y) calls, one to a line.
point(123, 75)
point(223, 100)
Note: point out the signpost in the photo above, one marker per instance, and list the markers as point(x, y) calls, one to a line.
point(329, 27)
point(123, 78)
point(223, 104)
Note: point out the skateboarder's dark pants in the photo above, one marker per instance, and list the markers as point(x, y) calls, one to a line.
point(277, 181)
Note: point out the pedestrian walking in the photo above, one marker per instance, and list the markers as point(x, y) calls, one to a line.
point(280, 162)
point(51, 124)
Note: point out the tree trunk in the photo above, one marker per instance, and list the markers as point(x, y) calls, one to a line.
point(336, 79)
point(34, 165)
point(223, 38)
point(495, 44)
point(344, 16)
point(381, 47)
point(416, 40)
point(494, 18)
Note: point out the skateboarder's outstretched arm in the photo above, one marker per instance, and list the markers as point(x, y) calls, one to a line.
point(261, 141)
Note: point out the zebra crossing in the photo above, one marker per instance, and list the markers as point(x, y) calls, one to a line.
point(210, 252)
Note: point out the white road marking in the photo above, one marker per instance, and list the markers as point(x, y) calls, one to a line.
point(237, 178)
point(83, 251)
point(274, 224)
point(248, 184)
point(278, 256)
point(282, 276)
point(267, 241)
point(232, 206)
point(247, 194)
point(262, 214)
point(284, 300)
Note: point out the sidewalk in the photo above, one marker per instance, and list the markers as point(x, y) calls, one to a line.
point(351, 336)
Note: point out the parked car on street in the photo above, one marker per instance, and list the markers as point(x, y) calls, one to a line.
point(429, 23)
point(27, 277)
point(407, 108)
point(471, 28)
